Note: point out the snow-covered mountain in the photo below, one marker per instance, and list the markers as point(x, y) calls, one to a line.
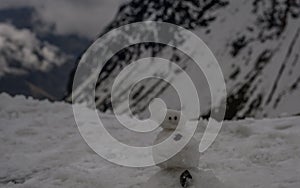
point(41, 147)
point(256, 42)
point(259, 48)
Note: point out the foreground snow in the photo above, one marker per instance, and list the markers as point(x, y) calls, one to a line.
point(41, 147)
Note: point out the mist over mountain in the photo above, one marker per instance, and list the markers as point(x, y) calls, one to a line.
point(35, 61)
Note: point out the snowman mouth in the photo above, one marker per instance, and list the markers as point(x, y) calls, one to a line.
point(177, 137)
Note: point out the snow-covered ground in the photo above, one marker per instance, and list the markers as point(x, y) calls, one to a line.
point(41, 147)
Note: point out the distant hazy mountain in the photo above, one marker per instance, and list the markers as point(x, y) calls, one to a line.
point(34, 60)
point(257, 44)
point(23, 57)
point(21, 52)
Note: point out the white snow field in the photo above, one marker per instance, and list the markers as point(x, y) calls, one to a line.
point(41, 147)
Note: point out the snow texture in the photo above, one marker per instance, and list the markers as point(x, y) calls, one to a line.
point(41, 147)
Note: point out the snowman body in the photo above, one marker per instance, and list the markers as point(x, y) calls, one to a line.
point(187, 157)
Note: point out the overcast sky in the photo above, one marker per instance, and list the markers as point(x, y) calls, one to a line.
point(82, 17)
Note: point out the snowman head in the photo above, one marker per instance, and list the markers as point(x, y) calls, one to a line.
point(172, 119)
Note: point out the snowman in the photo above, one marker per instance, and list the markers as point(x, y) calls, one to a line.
point(187, 158)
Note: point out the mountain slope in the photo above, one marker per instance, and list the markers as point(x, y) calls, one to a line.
point(201, 14)
point(261, 57)
point(256, 42)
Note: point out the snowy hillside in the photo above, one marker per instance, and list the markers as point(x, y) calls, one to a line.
point(258, 48)
point(256, 42)
point(41, 147)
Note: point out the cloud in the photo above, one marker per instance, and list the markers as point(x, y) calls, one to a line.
point(85, 18)
point(21, 51)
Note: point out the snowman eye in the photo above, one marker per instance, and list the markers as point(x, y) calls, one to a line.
point(175, 117)
point(170, 118)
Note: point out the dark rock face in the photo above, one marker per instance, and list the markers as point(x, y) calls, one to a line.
point(256, 42)
point(188, 14)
